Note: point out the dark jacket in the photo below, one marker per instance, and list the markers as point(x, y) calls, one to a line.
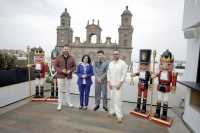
point(60, 64)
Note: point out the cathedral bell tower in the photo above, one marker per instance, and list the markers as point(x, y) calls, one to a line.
point(64, 31)
point(125, 30)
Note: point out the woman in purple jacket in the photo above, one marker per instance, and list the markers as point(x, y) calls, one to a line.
point(84, 72)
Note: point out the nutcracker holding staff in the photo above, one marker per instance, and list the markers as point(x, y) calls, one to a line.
point(144, 75)
point(40, 71)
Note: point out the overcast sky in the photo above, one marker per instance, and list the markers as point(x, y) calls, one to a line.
point(157, 23)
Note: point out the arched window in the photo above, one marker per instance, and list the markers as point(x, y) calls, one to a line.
point(93, 38)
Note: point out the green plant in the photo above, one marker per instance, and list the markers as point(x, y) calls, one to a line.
point(7, 61)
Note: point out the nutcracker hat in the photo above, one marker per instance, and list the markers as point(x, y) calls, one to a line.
point(39, 51)
point(145, 56)
point(167, 57)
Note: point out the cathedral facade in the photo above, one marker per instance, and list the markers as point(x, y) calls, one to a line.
point(78, 48)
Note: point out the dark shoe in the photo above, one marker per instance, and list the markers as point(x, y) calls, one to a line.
point(143, 111)
point(96, 108)
point(36, 96)
point(105, 108)
point(137, 109)
point(144, 106)
point(42, 91)
point(85, 108)
point(163, 117)
point(157, 115)
point(81, 107)
point(158, 107)
point(165, 108)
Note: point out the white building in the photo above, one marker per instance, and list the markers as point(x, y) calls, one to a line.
point(191, 28)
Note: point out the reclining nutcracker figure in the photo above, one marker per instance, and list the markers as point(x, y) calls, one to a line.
point(40, 71)
point(52, 74)
point(166, 83)
point(144, 75)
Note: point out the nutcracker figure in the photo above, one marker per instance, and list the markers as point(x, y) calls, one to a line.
point(166, 83)
point(144, 75)
point(40, 71)
point(52, 74)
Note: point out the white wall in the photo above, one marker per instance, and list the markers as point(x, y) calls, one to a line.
point(191, 13)
point(13, 93)
point(191, 22)
point(192, 58)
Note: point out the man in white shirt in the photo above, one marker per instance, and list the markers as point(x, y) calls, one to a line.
point(115, 76)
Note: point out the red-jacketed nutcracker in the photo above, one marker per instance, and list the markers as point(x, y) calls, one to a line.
point(166, 83)
point(144, 75)
point(40, 72)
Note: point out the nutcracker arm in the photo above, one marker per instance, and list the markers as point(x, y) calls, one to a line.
point(134, 74)
point(153, 76)
point(30, 65)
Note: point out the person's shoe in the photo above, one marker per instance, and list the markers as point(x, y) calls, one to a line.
point(119, 120)
point(70, 105)
point(105, 108)
point(81, 107)
point(111, 114)
point(85, 107)
point(59, 107)
point(96, 108)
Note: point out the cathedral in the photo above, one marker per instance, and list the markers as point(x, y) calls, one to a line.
point(125, 31)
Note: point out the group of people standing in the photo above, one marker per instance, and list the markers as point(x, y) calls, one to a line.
point(107, 74)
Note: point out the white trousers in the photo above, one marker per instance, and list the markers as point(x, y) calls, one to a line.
point(163, 97)
point(115, 102)
point(64, 90)
point(39, 81)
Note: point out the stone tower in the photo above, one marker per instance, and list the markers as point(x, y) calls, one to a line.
point(125, 30)
point(64, 31)
point(93, 29)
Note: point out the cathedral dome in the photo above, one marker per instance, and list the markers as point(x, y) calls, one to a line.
point(126, 12)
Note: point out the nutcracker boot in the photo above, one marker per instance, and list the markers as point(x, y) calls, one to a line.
point(56, 89)
point(36, 91)
point(144, 103)
point(41, 91)
point(165, 108)
point(137, 109)
point(56, 92)
point(157, 114)
point(52, 90)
